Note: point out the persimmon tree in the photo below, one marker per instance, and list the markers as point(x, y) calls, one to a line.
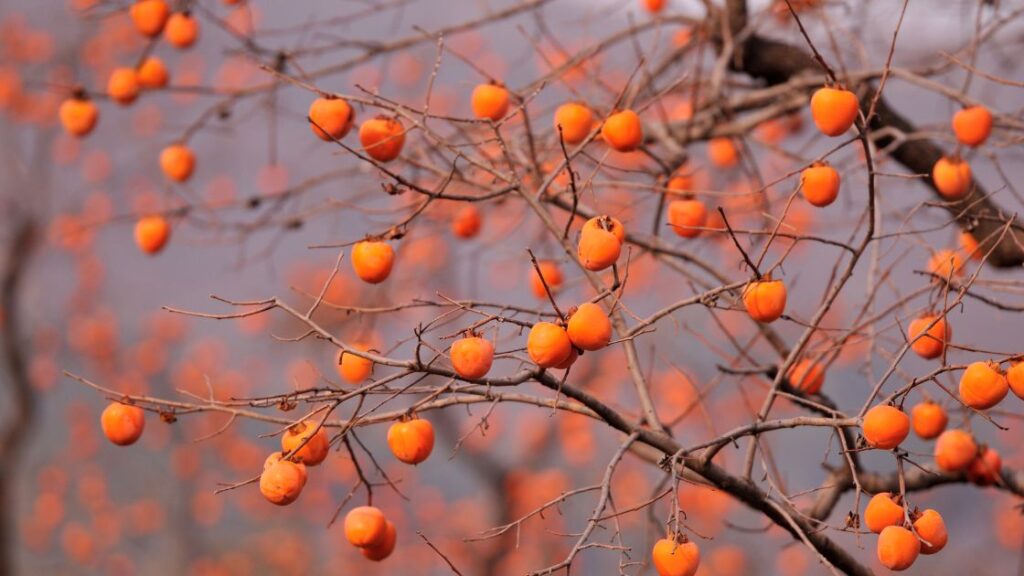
point(646, 287)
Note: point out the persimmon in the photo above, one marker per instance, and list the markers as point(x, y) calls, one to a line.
point(722, 152)
point(687, 217)
point(122, 424)
point(834, 110)
point(282, 481)
point(149, 16)
point(366, 527)
point(951, 177)
point(955, 450)
point(929, 343)
point(983, 385)
point(548, 344)
point(576, 121)
point(623, 131)
point(972, 125)
point(819, 184)
point(472, 357)
point(807, 376)
point(589, 327)
point(177, 162)
point(181, 30)
point(152, 74)
point(1015, 378)
point(316, 448)
point(467, 222)
point(330, 118)
point(372, 260)
point(600, 242)
point(765, 299)
point(946, 264)
point(654, 6)
point(898, 548)
point(490, 101)
point(931, 529)
point(883, 511)
point(411, 441)
point(382, 138)
point(355, 369)
point(152, 233)
point(885, 426)
point(986, 467)
point(78, 115)
point(123, 86)
point(675, 558)
point(680, 183)
point(969, 246)
point(552, 275)
point(928, 420)
point(384, 549)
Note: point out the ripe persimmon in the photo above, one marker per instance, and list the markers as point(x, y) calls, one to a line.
point(765, 299)
point(411, 441)
point(467, 222)
point(152, 74)
point(372, 260)
point(947, 264)
point(955, 450)
point(623, 131)
point(384, 549)
point(807, 376)
point(355, 369)
point(972, 125)
point(177, 162)
point(687, 217)
point(983, 385)
point(472, 357)
point(819, 184)
point(885, 426)
point(382, 138)
point(931, 529)
point(365, 527)
point(548, 344)
point(589, 327)
point(122, 424)
point(722, 152)
point(898, 548)
point(123, 86)
point(672, 557)
point(181, 30)
point(600, 242)
point(78, 115)
point(654, 6)
point(552, 275)
point(883, 511)
point(282, 480)
point(951, 177)
point(576, 121)
point(1015, 378)
point(152, 233)
point(316, 448)
point(986, 467)
point(969, 246)
point(149, 16)
point(330, 118)
point(928, 419)
point(490, 101)
point(834, 110)
point(932, 343)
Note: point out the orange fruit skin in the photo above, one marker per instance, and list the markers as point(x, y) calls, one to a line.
point(372, 260)
point(181, 30)
point(807, 376)
point(932, 529)
point(1015, 378)
point(933, 342)
point(576, 121)
point(885, 427)
point(282, 480)
point(675, 559)
point(600, 248)
point(152, 233)
point(472, 357)
point(951, 177)
point(355, 369)
point(412, 441)
point(366, 527)
point(833, 110)
point(122, 424)
point(947, 264)
point(552, 275)
point(969, 246)
point(385, 548)
point(723, 153)
point(623, 131)
point(123, 86)
point(928, 420)
point(78, 116)
point(972, 126)
point(316, 449)
point(489, 101)
point(882, 512)
point(986, 468)
point(467, 222)
point(152, 74)
point(765, 300)
point(654, 6)
point(955, 450)
point(331, 118)
point(982, 385)
point(898, 548)
point(149, 16)
point(177, 162)
point(687, 217)
point(382, 138)
point(589, 327)
point(548, 344)
point(820, 185)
